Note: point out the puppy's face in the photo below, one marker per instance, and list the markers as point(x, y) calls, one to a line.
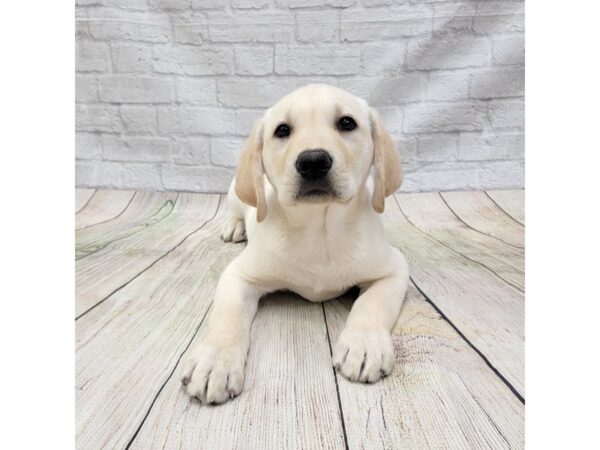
point(317, 145)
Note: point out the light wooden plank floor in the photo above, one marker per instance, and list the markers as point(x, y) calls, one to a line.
point(146, 269)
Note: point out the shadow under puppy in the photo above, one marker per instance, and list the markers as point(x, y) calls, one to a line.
point(311, 180)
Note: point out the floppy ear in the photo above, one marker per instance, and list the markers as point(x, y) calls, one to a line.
point(386, 163)
point(249, 184)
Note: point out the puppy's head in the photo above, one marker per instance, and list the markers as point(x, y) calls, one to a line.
point(317, 145)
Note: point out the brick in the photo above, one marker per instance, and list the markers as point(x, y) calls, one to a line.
point(508, 50)
point(92, 57)
point(253, 60)
point(251, 27)
point(442, 176)
point(447, 53)
point(437, 147)
point(88, 146)
point(94, 118)
point(139, 119)
point(493, 83)
point(190, 120)
point(197, 91)
point(208, 4)
point(225, 151)
point(142, 149)
point(244, 120)
point(124, 89)
point(86, 173)
point(193, 60)
point(249, 4)
point(190, 28)
point(86, 89)
point(121, 25)
point(490, 146)
point(382, 57)
point(407, 146)
point(507, 113)
point(114, 174)
point(423, 118)
point(385, 23)
point(192, 151)
point(494, 17)
point(372, 3)
point(392, 117)
point(132, 58)
point(318, 60)
point(169, 5)
point(251, 92)
point(408, 87)
point(138, 5)
point(454, 17)
point(197, 178)
point(448, 85)
point(317, 26)
point(502, 175)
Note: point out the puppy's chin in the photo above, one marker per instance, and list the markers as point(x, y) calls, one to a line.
point(318, 191)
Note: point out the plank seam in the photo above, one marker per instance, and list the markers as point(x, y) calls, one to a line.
point(456, 251)
point(502, 209)
point(475, 229)
point(87, 202)
point(153, 263)
point(337, 388)
point(460, 333)
point(112, 218)
point(137, 431)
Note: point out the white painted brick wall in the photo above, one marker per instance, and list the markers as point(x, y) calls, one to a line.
point(167, 90)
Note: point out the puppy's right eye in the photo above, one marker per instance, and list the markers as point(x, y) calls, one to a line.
point(283, 130)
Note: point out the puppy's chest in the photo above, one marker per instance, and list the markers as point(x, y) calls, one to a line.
point(320, 260)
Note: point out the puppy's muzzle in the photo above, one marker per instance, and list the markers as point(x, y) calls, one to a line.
point(313, 166)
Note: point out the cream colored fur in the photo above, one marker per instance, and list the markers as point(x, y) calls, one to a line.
point(317, 249)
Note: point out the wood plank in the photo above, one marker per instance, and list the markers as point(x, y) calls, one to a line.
point(289, 399)
point(480, 213)
point(440, 395)
point(105, 205)
point(82, 196)
point(511, 202)
point(119, 261)
point(487, 310)
point(145, 209)
point(124, 356)
point(430, 214)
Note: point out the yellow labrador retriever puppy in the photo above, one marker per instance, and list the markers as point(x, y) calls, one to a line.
point(312, 178)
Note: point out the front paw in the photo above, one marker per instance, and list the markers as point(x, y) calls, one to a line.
point(214, 373)
point(364, 355)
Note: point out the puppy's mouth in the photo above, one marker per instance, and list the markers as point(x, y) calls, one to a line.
point(316, 191)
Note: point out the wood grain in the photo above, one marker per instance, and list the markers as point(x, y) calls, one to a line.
point(82, 196)
point(511, 202)
point(119, 257)
point(487, 310)
point(441, 394)
point(429, 213)
point(146, 209)
point(480, 213)
point(124, 356)
point(289, 399)
point(105, 205)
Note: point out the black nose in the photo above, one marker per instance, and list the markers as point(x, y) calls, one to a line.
point(313, 164)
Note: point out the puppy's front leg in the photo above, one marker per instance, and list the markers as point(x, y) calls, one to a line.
point(364, 351)
point(214, 370)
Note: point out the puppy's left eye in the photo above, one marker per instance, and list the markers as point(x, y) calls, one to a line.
point(346, 123)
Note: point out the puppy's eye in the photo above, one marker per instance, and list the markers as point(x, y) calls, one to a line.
point(346, 123)
point(283, 130)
